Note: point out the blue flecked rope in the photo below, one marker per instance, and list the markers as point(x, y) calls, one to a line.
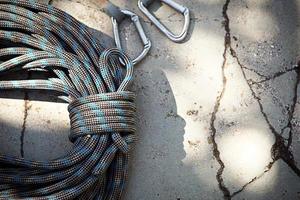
point(90, 79)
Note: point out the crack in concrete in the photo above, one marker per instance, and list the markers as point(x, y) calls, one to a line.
point(267, 169)
point(216, 152)
point(292, 109)
point(256, 72)
point(279, 149)
point(277, 74)
point(26, 109)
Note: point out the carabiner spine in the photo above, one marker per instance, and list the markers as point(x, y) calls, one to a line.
point(145, 40)
point(140, 31)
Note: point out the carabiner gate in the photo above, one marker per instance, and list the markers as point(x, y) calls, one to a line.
point(145, 40)
point(143, 4)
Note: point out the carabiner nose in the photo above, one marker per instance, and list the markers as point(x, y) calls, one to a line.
point(117, 15)
point(143, 4)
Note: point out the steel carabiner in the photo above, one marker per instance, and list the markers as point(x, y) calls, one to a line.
point(117, 15)
point(136, 21)
point(143, 4)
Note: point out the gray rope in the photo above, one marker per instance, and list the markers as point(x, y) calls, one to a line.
point(91, 80)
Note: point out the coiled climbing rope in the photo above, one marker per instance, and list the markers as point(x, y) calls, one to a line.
point(34, 36)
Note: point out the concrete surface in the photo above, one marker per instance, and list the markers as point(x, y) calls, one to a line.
point(219, 115)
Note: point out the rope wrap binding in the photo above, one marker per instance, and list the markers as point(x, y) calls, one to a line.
point(91, 79)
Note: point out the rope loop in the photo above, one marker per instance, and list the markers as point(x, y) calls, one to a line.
point(112, 72)
point(100, 114)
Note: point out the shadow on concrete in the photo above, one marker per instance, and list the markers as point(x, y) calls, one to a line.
point(41, 142)
point(159, 153)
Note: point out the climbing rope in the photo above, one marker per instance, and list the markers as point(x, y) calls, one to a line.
point(40, 37)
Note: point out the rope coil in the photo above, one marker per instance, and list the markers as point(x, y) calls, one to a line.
point(37, 37)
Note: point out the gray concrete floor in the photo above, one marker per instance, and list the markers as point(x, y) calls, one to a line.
point(218, 115)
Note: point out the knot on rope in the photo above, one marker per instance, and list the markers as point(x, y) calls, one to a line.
point(108, 113)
